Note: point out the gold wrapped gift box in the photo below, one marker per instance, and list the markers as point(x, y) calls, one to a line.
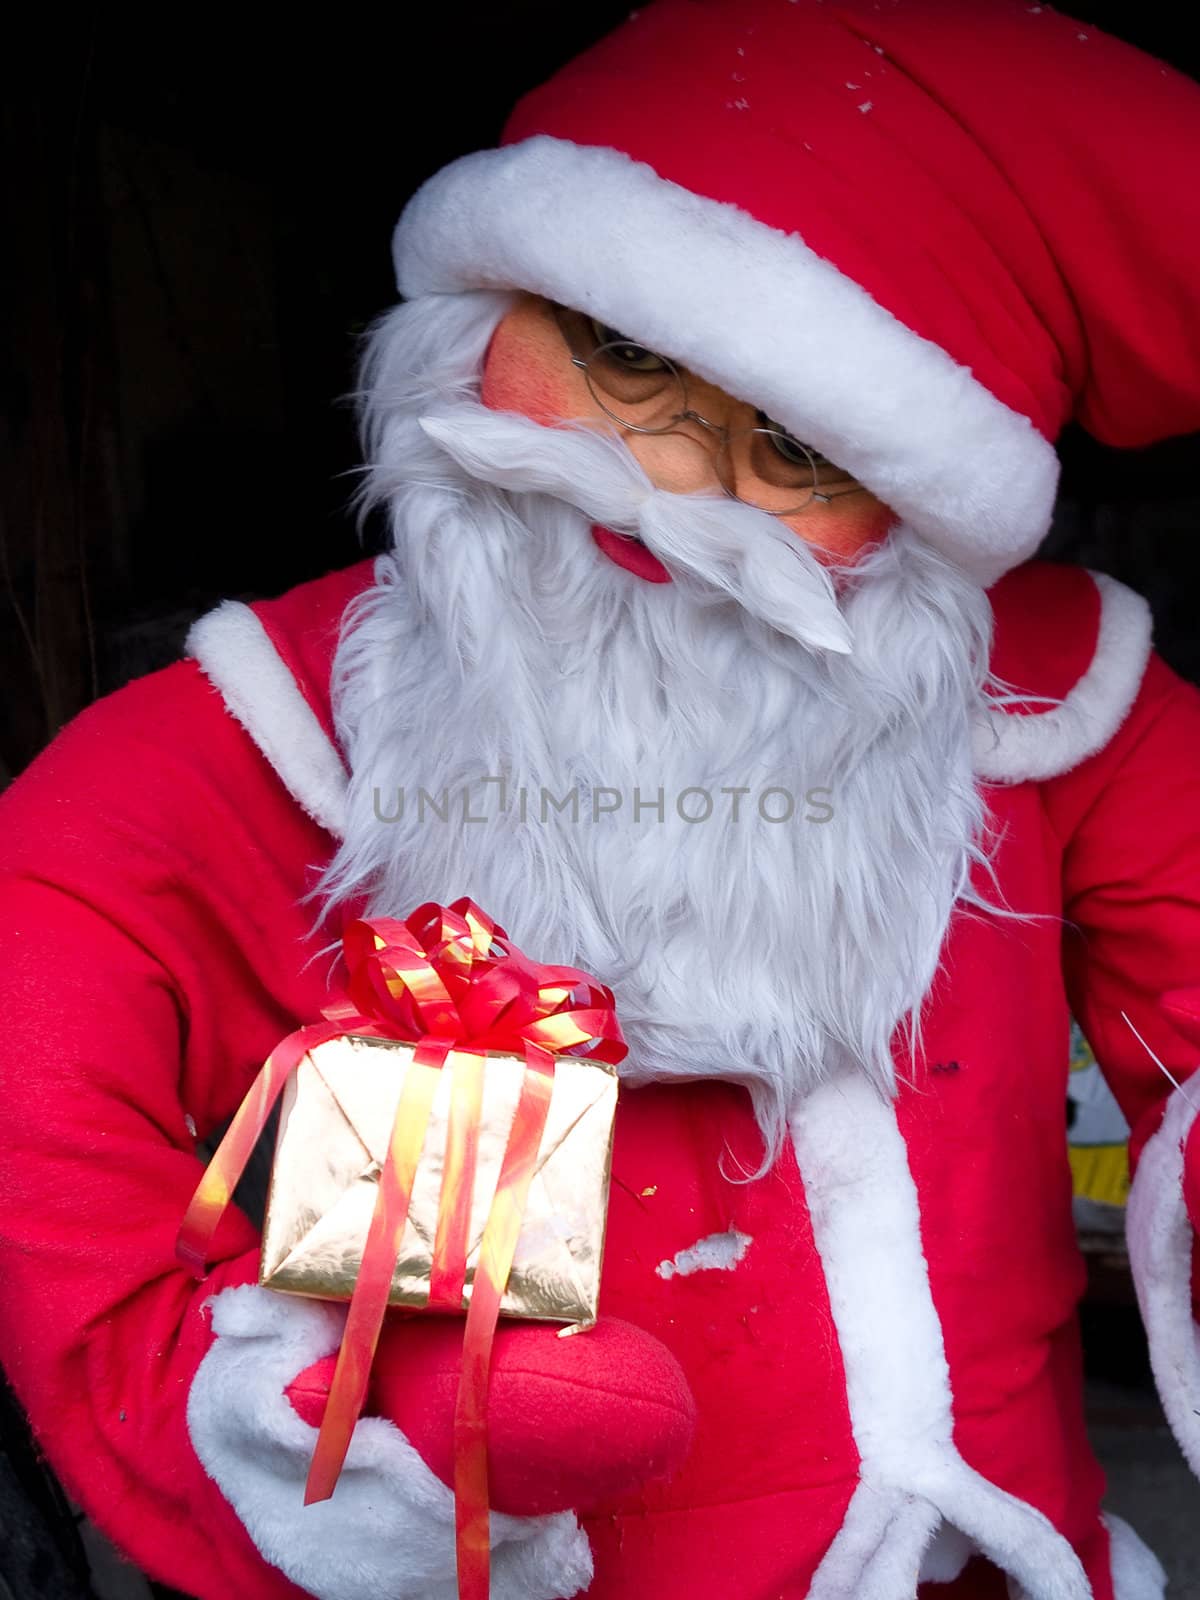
point(334, 1130)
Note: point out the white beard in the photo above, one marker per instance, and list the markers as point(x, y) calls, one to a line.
point(498, 641)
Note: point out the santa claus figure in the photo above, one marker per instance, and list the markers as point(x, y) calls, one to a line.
point(714, 435)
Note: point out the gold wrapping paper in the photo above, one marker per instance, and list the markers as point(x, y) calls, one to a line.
point(334, 1128)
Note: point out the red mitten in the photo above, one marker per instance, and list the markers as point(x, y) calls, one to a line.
point(571, 1422)
point(1182, 1007)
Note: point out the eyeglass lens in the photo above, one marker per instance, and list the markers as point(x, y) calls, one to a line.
point(645, 392)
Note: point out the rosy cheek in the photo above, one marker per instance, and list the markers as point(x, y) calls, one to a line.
point(843, 531)
point(518, 375)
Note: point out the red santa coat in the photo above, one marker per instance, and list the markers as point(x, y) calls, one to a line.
point(887, 1373)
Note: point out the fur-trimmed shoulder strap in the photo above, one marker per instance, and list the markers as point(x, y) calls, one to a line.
point(272, 661)
point(1069, 652)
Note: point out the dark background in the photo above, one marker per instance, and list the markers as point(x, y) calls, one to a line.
point(197, 223)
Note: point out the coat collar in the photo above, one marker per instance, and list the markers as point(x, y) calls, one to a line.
point(1069, 650)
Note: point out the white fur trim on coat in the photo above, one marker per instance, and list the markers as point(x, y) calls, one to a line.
point(387, 1532)
point(236, 654)
point(1137, 1573)
point(867, 1227)
point(1160, 1253)
point(1022, 747)
point(752, 309)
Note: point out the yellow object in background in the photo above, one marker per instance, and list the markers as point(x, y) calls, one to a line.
point(1097, 1132)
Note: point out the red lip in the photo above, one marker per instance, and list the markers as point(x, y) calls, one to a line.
point(631, 555)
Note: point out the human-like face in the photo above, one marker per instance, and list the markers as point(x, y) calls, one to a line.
point(528, 369)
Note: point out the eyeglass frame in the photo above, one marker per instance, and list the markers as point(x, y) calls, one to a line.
point(719, 430)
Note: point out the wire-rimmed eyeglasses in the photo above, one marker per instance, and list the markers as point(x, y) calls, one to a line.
point(646, 393)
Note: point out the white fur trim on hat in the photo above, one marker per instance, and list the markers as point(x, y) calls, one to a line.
point(752, 309)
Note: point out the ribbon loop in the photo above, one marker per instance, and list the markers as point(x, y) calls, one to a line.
point(446, 972)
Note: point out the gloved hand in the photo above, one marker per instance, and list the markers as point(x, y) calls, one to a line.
point(388, 1531)
point(572, 1422)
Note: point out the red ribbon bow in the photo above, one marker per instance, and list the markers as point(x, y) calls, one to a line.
point(448, 979)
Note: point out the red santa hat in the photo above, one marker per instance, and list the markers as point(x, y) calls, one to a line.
point(922, 234)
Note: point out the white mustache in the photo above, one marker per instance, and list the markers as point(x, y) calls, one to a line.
point(707, 542)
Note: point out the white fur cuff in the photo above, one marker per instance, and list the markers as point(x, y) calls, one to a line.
point(387, 1533)
point(1160, 1253)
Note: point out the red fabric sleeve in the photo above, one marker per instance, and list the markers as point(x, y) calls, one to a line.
point(1130, 822)
point(151, 952)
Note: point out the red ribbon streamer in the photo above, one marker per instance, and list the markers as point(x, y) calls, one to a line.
point(449, 978)
point(496, 1251)
point(448, 1268)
